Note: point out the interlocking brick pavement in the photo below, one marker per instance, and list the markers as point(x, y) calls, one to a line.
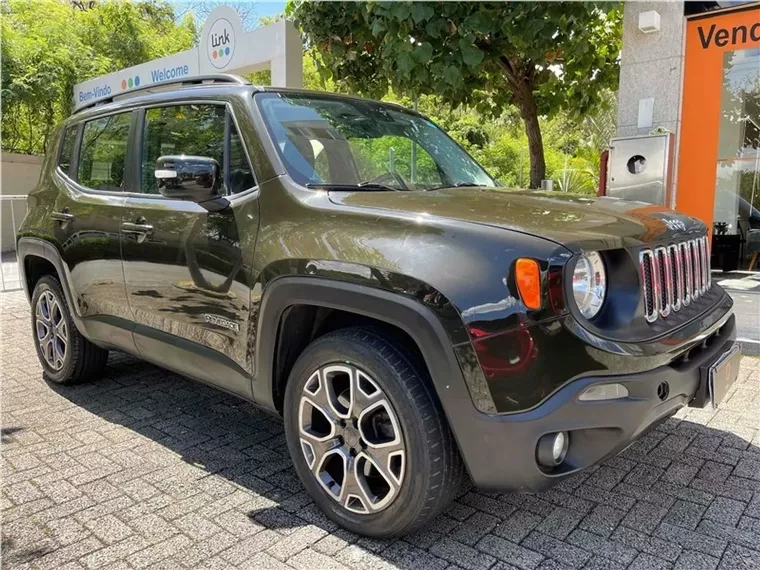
point(147, 470)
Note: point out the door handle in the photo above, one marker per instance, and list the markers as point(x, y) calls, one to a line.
point(140, 230)
point(128, 228)
point(63, 217)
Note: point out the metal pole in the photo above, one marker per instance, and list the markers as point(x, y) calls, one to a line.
point(13, 223)
point(414, 150)
point(2, 265)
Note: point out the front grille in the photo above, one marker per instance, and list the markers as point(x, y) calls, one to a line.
point(674, 276)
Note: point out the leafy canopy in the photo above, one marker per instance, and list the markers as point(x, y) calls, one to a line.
point(48, 46)
point(564, 52)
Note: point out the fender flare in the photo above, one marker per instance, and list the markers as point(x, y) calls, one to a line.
point(406, 313)
point(28, 246)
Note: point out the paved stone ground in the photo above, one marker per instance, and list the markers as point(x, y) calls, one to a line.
point(146, 469)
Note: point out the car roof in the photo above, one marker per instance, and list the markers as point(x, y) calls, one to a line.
point(211, 87)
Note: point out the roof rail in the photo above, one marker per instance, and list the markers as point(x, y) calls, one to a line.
point(208, 79)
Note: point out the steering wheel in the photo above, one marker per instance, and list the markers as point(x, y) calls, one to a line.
point(387, 177)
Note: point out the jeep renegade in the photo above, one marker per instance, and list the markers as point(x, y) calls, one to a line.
point(345, 264)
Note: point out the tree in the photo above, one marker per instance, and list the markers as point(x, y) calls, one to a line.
point(541, 57)
point(48, 46)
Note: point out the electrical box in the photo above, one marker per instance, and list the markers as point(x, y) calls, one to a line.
point(641, 168)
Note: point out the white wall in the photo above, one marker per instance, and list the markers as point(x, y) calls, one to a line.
point(19, 174)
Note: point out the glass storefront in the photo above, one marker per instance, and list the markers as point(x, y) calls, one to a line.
point(736, 216)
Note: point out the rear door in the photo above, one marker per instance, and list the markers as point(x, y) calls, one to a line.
point(92, 176)
point(187, 265)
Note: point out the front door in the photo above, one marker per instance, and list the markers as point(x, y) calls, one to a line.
point(187, 265)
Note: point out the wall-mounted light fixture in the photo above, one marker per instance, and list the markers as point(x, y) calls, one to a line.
point(649, 21)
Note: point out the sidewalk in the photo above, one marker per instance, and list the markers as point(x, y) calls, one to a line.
point(744, 288)
point(145, 470)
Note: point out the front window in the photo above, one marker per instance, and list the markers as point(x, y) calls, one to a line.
point(195, 130)
point(335, 142)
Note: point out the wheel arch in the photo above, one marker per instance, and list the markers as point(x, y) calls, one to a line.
point(410, 316)
point(28, 250)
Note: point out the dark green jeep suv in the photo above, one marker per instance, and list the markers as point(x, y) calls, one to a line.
point(345, 264)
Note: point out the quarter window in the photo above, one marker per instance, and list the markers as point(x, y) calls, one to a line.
point(194, 130)
point(67, 149)
point(103, 152)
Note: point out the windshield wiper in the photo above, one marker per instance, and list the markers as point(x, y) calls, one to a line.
point(361, 186)
point(458, 185)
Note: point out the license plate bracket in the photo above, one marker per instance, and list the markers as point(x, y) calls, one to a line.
point(722, 374)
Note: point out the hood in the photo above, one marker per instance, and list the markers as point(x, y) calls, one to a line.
point(578, 222)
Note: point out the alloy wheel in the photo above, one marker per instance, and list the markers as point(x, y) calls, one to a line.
point(52, 331)
point(351, 438)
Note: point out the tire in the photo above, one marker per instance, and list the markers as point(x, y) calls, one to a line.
point(67, 357)
point(366, 380)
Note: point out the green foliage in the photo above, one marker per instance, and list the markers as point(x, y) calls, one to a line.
point(542, 57)
point(48, 46)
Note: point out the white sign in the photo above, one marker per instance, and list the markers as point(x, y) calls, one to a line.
point(225, 47)
point(174, 67)
point(221, 32)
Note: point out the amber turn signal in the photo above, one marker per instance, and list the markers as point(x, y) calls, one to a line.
point(529, 282)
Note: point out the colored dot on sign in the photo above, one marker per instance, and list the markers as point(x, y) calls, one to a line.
point(137, 80)
point(123, 83)
point(214, 54)
point(226, 51)
point(221, 53)
point(130, 82)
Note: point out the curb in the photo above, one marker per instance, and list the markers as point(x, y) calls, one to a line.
point(749, 347)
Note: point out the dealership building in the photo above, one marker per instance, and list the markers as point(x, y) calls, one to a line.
point(688, 122)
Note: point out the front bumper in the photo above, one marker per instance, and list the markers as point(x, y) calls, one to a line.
point(504, 455)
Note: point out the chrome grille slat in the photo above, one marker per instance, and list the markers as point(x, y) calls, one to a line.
point(683, 250)
point(674, 276)
point(663, 274)
point(646, 264)
point(696, 293)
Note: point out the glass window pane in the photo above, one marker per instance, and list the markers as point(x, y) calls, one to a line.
point(241, 173)
point(67, 149)
point(104, 152)
point(334, 140)
point(736, 215)
point(193, 130)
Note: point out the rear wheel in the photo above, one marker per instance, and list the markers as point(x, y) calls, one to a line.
point(367, 436)
point(66, 356)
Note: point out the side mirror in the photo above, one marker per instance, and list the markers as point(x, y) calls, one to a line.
point(194, 178)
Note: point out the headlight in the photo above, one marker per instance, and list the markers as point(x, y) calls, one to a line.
point(589, 284)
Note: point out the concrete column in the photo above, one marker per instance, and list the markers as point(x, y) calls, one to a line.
point(651, 68)
point(287, 65)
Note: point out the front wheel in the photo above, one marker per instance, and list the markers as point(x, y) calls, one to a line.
point(367, 435)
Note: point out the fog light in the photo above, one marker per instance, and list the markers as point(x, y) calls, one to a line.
point(604, 392)
point(552, 448)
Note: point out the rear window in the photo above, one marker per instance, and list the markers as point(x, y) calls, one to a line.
point(103, 152)
point(67, 148)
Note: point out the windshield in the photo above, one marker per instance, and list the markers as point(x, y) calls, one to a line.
point(348, 143)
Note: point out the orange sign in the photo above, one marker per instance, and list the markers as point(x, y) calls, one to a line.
point(708, 38)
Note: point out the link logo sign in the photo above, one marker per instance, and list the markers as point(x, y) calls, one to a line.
point(219, 36)
point(221, 43)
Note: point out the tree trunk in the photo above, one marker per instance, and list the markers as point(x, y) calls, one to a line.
point(520, 76)
point(529, 114)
